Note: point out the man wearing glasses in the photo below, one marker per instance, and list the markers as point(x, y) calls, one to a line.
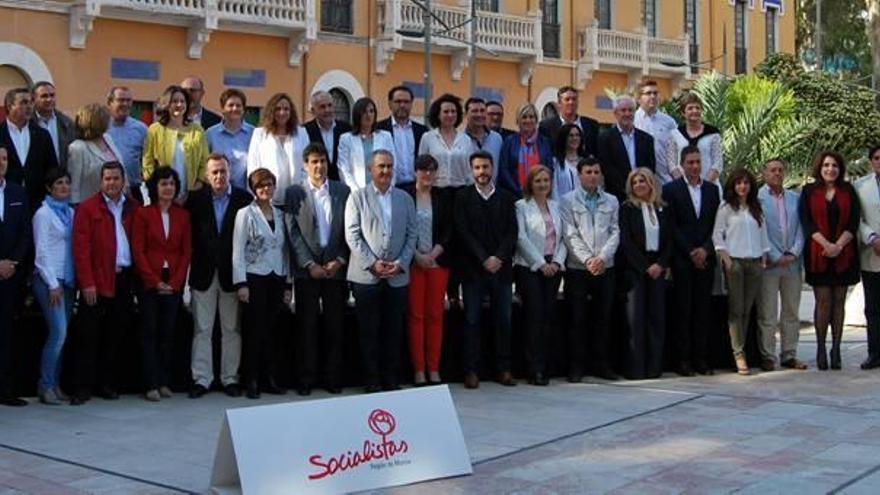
point(651, 119)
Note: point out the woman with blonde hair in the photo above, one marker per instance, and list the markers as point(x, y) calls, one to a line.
point(277, 144)
point(175, 141)
point(538, 264)
point(646, 245)
point(523, 151)
point(86, 155)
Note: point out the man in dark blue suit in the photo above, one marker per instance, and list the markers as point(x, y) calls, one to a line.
point(694, 203)
point(15, 244)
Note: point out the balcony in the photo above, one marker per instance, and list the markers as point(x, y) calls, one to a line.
point(636, 54)
point(516, 38)
point(293, 19)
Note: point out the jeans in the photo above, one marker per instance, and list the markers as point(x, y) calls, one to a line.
point(57, 318)
point(500, 295)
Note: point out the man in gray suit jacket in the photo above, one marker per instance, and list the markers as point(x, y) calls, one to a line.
point(314, 219)
point(60, 127)
point(380, 228)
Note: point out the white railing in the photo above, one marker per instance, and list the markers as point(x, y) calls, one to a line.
point(182, 7)
point(502, 33)
point(292, 13)
point(629, 50)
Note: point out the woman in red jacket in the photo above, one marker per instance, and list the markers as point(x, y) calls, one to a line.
point(161, 250)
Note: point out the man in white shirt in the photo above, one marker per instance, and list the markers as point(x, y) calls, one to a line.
point(314, 219)
point(652, 120)
point(29, 146)
point(868, 191)
point(406, 132)
point(567, 103)
point(380, 228)
point(325, 129)
point(60, 127)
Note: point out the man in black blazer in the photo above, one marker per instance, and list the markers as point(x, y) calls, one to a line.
point(212, 212)
point(485, 222)
point(30, 158)
point(195, 87)
point(623, 148)
point(567, 103)
point(495, 119)
point(693, 204)
point(325, 130)
point(314, 220)
point(60, 127)
point(407, 134)
point(15, 246)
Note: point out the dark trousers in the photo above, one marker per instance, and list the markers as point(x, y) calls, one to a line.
point(539, 307)
point(590, 297)
point(500, 297)
point(158, 320)
point(646, 313)
point(871, 285)
point(311, 296)
point(9, 291)
point(100, 332)
point(693, 294)
point(266, 297)
point(380, 309)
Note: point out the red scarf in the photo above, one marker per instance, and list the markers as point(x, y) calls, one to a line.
point(819, 210)
point(528, 156)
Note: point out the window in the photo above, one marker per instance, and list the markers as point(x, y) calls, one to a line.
point(550, 28)
point(649, 17)
point(336, 16)
point(341, 105)
point(489, 5)
point(739, 37)
point(690, 23)
point(602, 13)
point(770, 27)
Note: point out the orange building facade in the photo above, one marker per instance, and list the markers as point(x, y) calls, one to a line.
point(525, 49)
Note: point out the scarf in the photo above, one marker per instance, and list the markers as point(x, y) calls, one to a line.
point(819, 212)
point(61, 208)
point(528, 156)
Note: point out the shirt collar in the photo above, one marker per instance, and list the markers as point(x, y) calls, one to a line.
point(576, 120)
point(406, 125)
point(229, 131)
point(697, 186)
point(489, 194)
point(118, 202)
point(324, 129)
point(226, 194)
point(377, 191)
point(322, 187)
point(591, 195)
point(2, 183)
point(624, 133)
point(50, 118)
point(19, 129)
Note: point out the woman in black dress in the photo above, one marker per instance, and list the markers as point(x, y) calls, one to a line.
point(829, 211)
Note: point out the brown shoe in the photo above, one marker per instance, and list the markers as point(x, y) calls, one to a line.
point(794, 364)
point(471, 380)
point(506, 379)
point(742, 367)
point(768, 365)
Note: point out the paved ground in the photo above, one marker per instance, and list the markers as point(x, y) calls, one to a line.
point(793, 432)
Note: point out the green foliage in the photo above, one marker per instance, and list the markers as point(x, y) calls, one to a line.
point(844, 115)
point(846, 47)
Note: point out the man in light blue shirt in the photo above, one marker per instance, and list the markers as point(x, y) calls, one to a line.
point(652, 120)
point(232, 136)
point(127, 133)
point(483, 138)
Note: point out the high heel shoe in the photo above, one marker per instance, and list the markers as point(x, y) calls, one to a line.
point(835, 357)
point(821, 358)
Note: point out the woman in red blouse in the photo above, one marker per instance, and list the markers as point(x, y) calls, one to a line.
point(161, 250)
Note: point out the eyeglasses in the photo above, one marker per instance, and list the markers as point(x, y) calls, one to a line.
point(649, 93)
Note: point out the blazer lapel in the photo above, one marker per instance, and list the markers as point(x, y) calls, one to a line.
point(337, 213)
point(307, 221)
point(373, 204)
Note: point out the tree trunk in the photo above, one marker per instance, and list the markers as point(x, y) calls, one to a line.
point(873, 27)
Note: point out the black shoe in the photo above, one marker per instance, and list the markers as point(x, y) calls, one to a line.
point(12, 401)
point(704, 369)
point(372, 388)
point(273, 388)
point(539, 380)
point(332, 388)
point(390, 387)
point(253, 390)
point(684, 369)
point(821, 359)
point(304, 390)
point(109, 393)
point(870, 363)
point(835, 357)
point(197, 391)
point(575, 375)
point(232, 390)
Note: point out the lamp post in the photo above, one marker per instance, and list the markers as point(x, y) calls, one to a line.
point(427, 20)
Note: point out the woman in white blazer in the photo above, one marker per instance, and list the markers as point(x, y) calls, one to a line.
point(53, 281)
point(259, 273)
point(356, 147)
point(87, 154)
point(538, 264)
point(277, 145)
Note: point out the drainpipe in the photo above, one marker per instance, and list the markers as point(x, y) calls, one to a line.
point(369, 56)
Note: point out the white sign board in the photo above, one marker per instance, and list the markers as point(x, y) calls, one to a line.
point(341, 444)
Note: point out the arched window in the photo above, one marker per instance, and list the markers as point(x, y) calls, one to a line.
point(341, 105)
point(10, 77)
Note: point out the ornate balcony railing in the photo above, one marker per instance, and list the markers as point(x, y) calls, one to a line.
point(510, 36)
point(294, 19)
point(638, 54)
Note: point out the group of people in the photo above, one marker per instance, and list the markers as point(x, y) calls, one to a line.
point(102, 209)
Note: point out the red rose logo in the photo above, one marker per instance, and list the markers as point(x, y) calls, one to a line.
point(381, 422)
